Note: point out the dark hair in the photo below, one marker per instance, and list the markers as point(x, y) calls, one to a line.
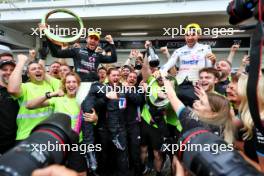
point(133, 72)
point(210, 70)
point(33, 62)
point(127, 66)
point(234, 77)
point(140, 58)
point(101, 68)
point(55, 62)
point(66, 66)
point(111, 69)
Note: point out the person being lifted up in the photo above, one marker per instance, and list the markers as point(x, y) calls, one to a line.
point(191, 57)
point(86, 60)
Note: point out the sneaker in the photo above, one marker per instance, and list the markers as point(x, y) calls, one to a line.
point(147, 171)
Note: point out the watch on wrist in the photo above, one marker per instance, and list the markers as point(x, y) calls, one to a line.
point(47, 94)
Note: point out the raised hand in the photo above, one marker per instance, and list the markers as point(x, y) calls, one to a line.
point(109, 39)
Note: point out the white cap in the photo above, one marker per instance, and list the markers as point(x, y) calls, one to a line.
point(5, 50)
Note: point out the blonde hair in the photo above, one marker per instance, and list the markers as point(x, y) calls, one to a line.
point(244, 108)
point(222, 115)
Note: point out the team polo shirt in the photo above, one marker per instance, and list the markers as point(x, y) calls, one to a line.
point(27, 119)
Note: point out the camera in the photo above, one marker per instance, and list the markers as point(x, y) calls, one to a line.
point(206, 154)
point(28, 155)
point(240, 10)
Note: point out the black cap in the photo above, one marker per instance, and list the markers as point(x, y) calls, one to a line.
point(6, 62)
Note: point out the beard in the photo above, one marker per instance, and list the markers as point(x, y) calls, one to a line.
point(222, 75)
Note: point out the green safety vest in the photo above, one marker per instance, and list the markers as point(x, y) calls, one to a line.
point(28, 119)
point(67, 106)
point(170, 117)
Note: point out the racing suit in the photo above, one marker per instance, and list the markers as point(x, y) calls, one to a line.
point(86, 61)
point(113, 125)
point(189, 61)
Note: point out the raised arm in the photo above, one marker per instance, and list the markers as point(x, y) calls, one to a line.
point(245, 61)
point(132, 55)
point(146, 72)
point(232, 52)
point(110, 56)
point(56, 51)
point(164, 50)
point(174, 100)
point(15, 80)
point(171, 62)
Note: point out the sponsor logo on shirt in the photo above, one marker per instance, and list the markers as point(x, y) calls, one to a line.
point(190, 62)
point(186, 52)
point(83, 51)
point(90, 66)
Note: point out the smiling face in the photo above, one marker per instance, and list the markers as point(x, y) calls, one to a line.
point(102, 75)
point(64, 70)
point(223, 67)
point(207, 81)
point(55, 70)
point(125, 72)
point(5, 73)
point(92, 42)
point(191, 38)
point(36, 72)
point(132, 79)
point(71, 85)
point(114, 77)
point(232, 94)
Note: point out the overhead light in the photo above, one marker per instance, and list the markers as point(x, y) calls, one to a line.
point(230, 30)
point(133, 33)
point(238, 30)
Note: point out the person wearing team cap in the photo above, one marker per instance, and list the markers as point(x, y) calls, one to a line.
point(191, 57)
point(87, 59)
point(8, 106)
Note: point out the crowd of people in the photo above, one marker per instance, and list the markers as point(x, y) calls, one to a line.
point(132, 110)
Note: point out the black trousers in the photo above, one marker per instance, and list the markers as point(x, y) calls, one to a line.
point(110, 152)
point(133, 139)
